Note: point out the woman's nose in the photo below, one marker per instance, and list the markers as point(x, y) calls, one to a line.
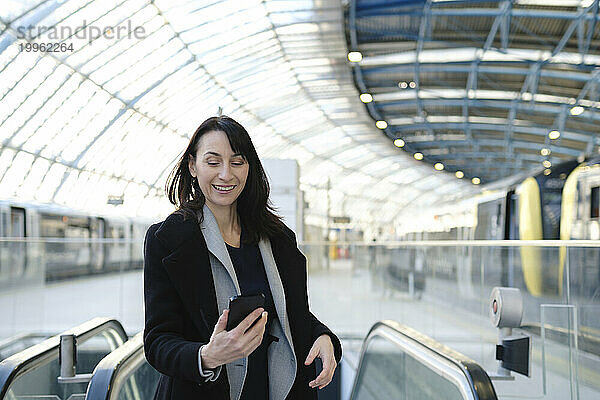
point(225, 173)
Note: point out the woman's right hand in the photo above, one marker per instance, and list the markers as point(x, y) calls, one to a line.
point(227, 346)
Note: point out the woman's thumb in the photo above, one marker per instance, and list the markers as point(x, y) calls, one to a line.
point(222, 322)
point(311, 355)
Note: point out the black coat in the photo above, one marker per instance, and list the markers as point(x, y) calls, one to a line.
point(181, 310)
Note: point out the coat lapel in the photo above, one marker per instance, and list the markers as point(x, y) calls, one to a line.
point(274, 278)
point(216, 244)
point(282, 358)
point(188, 266)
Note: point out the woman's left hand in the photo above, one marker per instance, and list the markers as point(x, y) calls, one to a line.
point(322, 348)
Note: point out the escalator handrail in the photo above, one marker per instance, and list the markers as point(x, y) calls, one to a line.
point(479, 381)
point(17, 364)
point(106, 371)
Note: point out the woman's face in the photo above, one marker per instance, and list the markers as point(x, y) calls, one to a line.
point(221, 173)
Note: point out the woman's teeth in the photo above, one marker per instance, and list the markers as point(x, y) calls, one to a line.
point(223, 188)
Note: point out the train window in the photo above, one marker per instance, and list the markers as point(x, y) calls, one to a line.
point(595, 202)
point(52, 226)
point(63, 226)
point(551, 204)
point(77, 227)
point(488, 220)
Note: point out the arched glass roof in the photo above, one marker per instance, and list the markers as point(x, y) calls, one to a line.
point(490, 88)
point(99, 98)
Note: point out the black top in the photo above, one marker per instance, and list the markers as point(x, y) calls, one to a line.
point(252, 278)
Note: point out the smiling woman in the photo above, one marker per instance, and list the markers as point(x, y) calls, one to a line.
point(218, 154)
point(221, 173)
point(225, 240)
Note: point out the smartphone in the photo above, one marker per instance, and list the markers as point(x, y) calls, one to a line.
point(241, 306)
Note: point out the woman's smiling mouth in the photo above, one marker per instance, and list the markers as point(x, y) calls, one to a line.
point(223, 188)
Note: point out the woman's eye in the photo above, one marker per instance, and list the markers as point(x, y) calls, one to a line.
point(238, 163)
point(212, 163)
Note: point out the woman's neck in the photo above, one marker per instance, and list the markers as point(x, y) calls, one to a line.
point(229, 224)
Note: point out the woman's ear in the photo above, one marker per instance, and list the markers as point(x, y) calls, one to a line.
point(192, 166)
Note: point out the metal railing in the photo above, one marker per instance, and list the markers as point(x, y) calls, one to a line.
point(457, 243)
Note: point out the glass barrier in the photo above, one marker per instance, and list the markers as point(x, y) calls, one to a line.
point(439, 288)
point(33, 373)
point(399, 363)
point(443, 289)
point(49, 285)
point(124, 374)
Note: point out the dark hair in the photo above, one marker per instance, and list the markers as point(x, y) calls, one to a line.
point(256, 213)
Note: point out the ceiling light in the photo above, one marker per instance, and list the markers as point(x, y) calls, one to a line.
point(412, 84)
point(418, 156)
point(577, 110)
point(554, 134)
point(355, 56)
point(366, 98)
point(547, 171)
point(546, 163)
point(439, 166)
point(403, 85)
point(545, 152)
point(476, 181)
point(399, 143)
point(381, 124)
point(459, 174)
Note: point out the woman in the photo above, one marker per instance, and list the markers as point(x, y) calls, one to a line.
point(225, 240)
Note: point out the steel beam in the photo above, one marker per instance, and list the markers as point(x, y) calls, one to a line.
point(418, 145)
point(538, 107)
point(465, 67)
point(437, 11)
point(531, 130)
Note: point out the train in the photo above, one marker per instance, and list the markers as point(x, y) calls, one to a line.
point(50, 243)
point(562, 203)
point(551, 204)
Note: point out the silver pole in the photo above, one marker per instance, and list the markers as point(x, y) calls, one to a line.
point(68, 360)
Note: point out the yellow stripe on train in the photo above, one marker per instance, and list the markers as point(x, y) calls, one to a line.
point(530, 228)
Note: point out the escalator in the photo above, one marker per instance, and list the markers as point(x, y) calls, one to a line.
point(32, 373)
point(395, 362)
point(124, 374)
